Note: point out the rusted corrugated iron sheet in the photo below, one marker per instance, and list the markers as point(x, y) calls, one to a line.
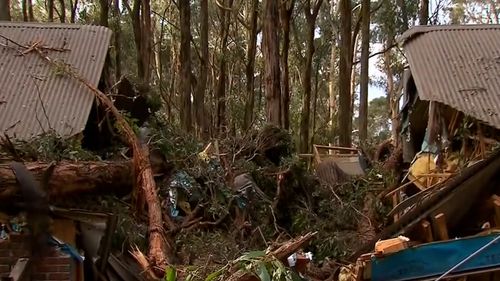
point(36, 97)
point(458, 66)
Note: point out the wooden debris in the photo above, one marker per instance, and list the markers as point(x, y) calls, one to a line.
point(20, 271)
point(440, 227)
point(69, 178)
point(426, 231)
point(391, 245)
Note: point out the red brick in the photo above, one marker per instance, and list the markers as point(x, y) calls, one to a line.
point(58, 276)
point(58, 260)
point(4, 244)
point(52, 268)
point(4, 268)
point(22, 238)
point(39, 276)
point(5, 253)
point(7, 260)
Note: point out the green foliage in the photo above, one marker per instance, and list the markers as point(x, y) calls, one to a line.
point(51, 147)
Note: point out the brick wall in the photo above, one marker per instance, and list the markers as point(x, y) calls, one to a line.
point(54, 266)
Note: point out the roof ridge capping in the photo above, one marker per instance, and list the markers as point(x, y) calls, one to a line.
point(52, 25)
point(418, 30)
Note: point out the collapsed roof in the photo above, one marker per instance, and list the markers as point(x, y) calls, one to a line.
point(458, 66)
point(34, 96)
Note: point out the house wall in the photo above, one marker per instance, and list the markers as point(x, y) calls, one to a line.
point(54, 266)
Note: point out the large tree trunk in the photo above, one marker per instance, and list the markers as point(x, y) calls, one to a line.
point(62, 16)
point(286, 10)
point(270, 49)
point(221, 118)
point(5, 10)
point(423, 14)
point(146, 40)
point(364, 78)
point(25, 10)
point(250, 66)
point(74, 7)
point(30, 10)
point(103, 16)
point(73, 178)
point(344, 81)
point(50, 10)
point(117, 34)
point(307, 78)
point(201, 86)
point(185, 61)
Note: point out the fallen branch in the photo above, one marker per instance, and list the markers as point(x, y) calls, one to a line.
point(71, 178)
point(145, 187)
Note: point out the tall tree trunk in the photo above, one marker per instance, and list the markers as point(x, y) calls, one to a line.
point(391, 95)
point(332, 100)
point(25, 10)
point(270, 49)
point(146, 40)
point(201, 86)
point(62, 16)
point(221, 122)
point(286, 10)
point(104, 13)
point(5, 10)
point(250, 66)
point(74, 7)
point(423, 14)
point(29, 3)
point(50, 10)
point(307, 78)
point(344, 81)
point(117, 35)
point(185, 62)
point(364, 78)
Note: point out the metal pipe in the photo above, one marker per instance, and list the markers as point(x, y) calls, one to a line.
point(468, 258)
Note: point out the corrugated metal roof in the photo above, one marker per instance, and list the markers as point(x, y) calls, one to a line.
point(34, 96)
point(458, 66)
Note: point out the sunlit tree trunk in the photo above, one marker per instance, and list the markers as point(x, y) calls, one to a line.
point(286, 10)
point(62, 15)
point(221, 121)
point(423, 14)
point(50, 10)
point(364, 78)
point(307, 78)
point(74, 7)
point(344, 79)
point(201, 86)
point(185, 61)
point(270, 49)
point(250, 66)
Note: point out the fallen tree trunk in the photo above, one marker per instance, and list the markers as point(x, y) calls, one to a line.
point(69, 178)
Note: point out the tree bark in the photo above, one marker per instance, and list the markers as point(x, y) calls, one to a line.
point(423, 14)
point(364, 78)
point(146, 40)
point(221, 118)
point(270, 49)
point(25, 10)
point(250, 66)
point(307, 78)
point(74, 6)
point(117, 35)
point(5, 10)
point(286, 10)
point(62, 16)
point(104, 13)
point(344, 81)
point(72, 178)
point(185, 62)
point(50, 10)
point(201, 86)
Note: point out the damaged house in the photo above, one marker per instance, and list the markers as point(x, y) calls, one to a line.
point(446, 211)
point(37, 98)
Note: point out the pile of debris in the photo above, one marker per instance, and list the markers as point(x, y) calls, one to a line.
point(446, 211)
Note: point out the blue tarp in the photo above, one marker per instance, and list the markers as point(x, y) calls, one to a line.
point(436, 258)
